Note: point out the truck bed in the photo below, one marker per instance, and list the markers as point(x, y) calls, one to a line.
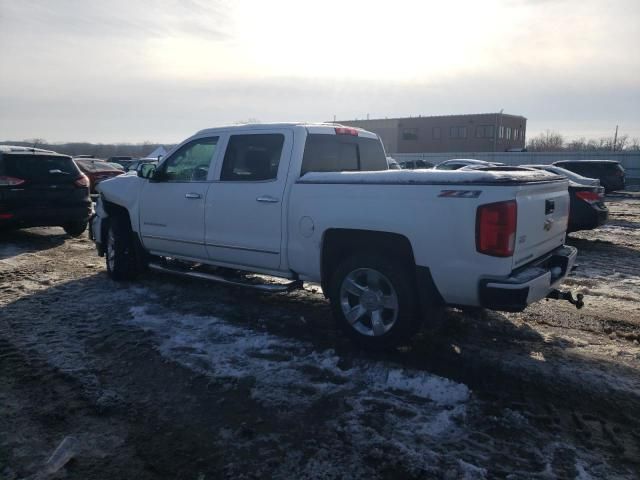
point(495, 176)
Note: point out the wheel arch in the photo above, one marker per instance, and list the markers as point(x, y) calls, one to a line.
point(340, 243)
point(112, 210)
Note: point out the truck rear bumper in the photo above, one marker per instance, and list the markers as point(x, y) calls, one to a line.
point(528, 284)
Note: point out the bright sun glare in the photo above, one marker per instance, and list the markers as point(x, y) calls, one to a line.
point(334, 39)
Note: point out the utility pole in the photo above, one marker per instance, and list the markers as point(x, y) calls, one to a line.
point(615, 139)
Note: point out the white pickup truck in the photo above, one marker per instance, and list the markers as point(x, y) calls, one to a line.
point(316, 203)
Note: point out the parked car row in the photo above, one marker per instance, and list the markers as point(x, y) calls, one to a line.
point(610, 173)
point(42, 188)
point(97, 170)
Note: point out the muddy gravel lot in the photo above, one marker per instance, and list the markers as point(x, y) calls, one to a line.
point(167, 378)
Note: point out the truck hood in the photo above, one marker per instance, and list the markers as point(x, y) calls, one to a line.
point(122, 190)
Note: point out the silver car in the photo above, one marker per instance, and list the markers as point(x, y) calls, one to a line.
point(572, 176)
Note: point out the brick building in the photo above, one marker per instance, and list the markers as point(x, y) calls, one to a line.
point(483, 132)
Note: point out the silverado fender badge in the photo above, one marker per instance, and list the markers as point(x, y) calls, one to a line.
point(460, 193)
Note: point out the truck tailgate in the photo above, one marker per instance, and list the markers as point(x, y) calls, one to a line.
point(543, 213)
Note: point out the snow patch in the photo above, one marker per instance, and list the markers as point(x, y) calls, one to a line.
point(222, 350)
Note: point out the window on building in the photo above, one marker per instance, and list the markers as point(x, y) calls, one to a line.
point(508, 133)
point(458, 132)
point(484, 131)
point(437, 133)
point(501, 132)
point(410, 134)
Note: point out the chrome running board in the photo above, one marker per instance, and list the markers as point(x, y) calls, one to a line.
point(264, 287)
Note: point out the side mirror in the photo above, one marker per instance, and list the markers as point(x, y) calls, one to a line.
point(146, 170)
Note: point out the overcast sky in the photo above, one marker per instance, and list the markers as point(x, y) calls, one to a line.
point(136, 70)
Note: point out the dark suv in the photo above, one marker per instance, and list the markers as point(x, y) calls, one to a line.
point(42, 188)
point(609, 172)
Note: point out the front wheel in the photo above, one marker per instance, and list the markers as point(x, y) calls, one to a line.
point(75, 229)
point(120, 252)
point(374, 301)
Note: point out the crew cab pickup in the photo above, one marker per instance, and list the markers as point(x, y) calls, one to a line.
point(317, 203)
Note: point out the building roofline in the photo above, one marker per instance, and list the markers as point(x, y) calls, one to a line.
point(434, 116)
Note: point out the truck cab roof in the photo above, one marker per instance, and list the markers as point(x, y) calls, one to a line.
point(317, 128)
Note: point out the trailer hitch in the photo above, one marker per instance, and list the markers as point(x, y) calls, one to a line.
point(556, 294)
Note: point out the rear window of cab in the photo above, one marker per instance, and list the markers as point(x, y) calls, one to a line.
point(342, 153)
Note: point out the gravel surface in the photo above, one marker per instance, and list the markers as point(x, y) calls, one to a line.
point(167, 378)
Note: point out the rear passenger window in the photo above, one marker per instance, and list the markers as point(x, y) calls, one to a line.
point(342, 153)
point(252, 157)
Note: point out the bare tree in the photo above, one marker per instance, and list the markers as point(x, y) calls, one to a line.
point(578, 145)
point(621, 143)
point(249, 120)
point(35, 142)
point(548, 141)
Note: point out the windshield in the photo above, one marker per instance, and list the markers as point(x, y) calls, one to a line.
point(95, 166)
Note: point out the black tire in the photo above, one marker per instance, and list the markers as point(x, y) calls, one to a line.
point(399, 277)
point(120, 252)
point(75, 229)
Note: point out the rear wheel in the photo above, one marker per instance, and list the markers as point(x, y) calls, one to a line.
point(374, 301)
point(120, 251)
point(75, 229)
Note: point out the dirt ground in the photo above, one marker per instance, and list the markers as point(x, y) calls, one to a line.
point(166, 378)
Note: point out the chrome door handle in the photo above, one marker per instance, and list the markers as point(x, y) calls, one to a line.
point(267, 199)
point(192, 195)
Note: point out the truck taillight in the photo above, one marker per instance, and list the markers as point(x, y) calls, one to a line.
point(346, 131)
point(10, 181)
point(496, 228)
point(589, 196)
point(82, 181)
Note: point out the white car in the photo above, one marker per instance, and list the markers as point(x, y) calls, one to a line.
point(572, 176)
point(317, 203)
point(393, 165)
point(458, 163)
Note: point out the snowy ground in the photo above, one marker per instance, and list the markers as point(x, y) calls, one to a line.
point(166, 378)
